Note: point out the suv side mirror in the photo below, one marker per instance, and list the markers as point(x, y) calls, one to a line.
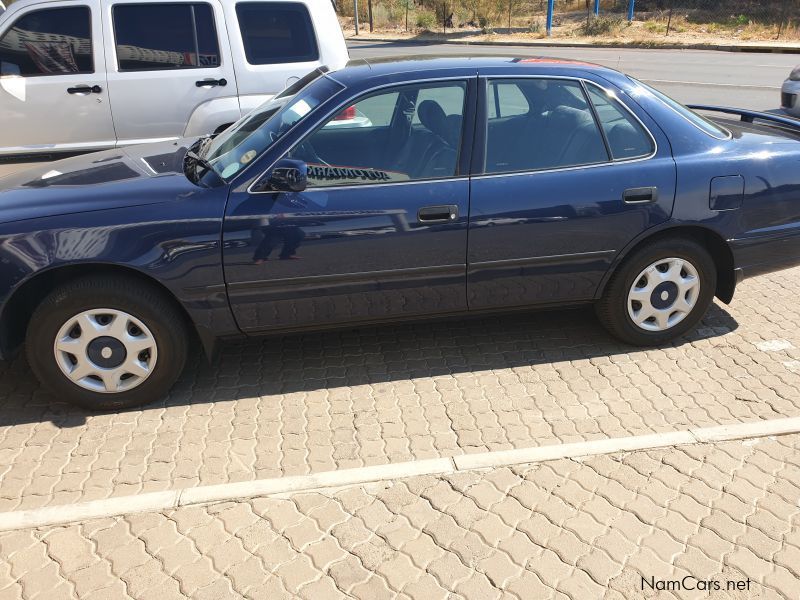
point(289, 175)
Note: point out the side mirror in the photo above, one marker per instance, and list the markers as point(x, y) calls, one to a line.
point(289, 175)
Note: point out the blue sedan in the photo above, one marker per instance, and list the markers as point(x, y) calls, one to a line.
point(477, 185)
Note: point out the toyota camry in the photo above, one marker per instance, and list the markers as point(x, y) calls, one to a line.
point(477, 185)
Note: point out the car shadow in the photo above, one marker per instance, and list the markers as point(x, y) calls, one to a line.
point(309, 362)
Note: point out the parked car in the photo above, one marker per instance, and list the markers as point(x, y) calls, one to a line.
point(790, 92)
point(480, 185)
point(95, 74)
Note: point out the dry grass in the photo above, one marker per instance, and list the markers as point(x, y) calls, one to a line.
point(648, 29)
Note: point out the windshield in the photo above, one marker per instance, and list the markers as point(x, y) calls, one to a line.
point(700, 122)
point(248, 138)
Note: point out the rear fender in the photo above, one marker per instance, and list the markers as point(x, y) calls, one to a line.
point(211, 115)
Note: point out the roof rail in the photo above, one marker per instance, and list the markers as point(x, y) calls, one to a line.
point(748, 116)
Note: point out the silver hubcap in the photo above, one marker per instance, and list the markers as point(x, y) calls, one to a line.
point(663, 294)
point(105, 350)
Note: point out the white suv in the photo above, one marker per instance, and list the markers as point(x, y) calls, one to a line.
point(91, 74)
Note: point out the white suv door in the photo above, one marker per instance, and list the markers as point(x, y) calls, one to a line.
point(52, 80)
point(165, 59)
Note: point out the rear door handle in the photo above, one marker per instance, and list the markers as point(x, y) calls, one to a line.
point(438, 214)
point(211, 82)
point(642, 195)
point(85, 89)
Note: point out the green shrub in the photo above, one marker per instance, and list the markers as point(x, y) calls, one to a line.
point(426, 20)
point(601, 25)
point(740, 20)
point(655, 27)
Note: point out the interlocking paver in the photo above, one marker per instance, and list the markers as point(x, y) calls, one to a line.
point(321, 402)
point(606, 553)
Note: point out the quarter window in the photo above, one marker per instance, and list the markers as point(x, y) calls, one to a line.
point(404, 134)
point(151, 37)
point(53, 41)
point(556, 130)
point(276, 32)
point(626, 136)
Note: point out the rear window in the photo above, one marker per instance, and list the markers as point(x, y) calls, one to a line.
point(701, 123)
point(152, 37)
point(276, 32)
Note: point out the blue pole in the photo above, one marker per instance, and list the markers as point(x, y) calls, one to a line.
point(550, 4)
point(630, 10)
point(596, 8)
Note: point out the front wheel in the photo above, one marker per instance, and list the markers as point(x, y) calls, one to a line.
point(659, 292)
point(107, 343)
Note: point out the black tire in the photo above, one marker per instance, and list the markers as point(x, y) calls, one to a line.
point(140, 300)
point(612, 308)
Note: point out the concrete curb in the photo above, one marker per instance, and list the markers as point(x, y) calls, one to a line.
point(551, 43)
point(159, 501)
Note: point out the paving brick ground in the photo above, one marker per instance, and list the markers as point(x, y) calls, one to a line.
point(571, 529)
point(321, 402)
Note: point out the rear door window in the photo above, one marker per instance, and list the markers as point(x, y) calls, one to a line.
point(276, 32)
point(506, 100)
point(152, 37)
point(550, 125)
point(51, 41)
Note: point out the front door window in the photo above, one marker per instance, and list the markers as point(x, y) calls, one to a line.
point(408, 133)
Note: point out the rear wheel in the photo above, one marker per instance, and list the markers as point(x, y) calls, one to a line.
point(107, 343)
point(659, 292)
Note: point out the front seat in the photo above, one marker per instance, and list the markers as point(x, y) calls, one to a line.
point(441, 155)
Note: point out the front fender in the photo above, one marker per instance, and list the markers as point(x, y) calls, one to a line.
point(174, 244)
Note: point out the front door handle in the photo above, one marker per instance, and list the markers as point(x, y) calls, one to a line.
point(438, 214)
point(85, 89)
point(211, 82)
point(642, 195)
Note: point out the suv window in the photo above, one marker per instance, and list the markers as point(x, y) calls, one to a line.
point(52, 41)
point(626, 136)
point(276, 32)
point(557, 130)
point(416, 135)
point(152, 37)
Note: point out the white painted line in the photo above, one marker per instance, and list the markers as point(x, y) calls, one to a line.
point(558, 451)
point(775, 345)
point(83, 511)
point(282, 486)
point(740, 431)
point(711, 83)
point(326, 479)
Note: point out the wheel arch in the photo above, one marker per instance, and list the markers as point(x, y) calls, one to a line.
point(209, 116)
point(18, 309)
point(712, 241)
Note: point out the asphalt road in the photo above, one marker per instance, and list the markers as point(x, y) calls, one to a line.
point(742, 79)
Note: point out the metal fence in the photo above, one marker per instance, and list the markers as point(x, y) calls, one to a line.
point(748, 19)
